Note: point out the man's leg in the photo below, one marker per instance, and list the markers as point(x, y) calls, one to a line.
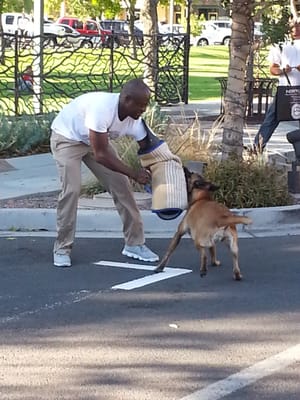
point(267, 128)
point(68, 155)
point(118, 185)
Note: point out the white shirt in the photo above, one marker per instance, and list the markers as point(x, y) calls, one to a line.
point(289, 54)
point(97, 111)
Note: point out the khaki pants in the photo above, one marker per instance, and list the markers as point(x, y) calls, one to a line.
point(68, 155)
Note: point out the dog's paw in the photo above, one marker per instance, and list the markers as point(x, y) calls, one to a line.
point(216, 263)
point(237, 276)
point(203, 274)
point(158, 269)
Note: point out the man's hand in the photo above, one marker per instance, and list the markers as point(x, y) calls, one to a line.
point(287, 69)
point(143, 176)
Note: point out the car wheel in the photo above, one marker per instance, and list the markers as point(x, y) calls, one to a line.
point(226, 41)
point(202, 42)
point(50, 42)
point(86, 44)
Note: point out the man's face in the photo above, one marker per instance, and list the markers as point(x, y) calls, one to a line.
point(137, 105)
point(295, 33)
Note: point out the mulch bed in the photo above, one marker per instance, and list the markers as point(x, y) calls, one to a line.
point(40, 200)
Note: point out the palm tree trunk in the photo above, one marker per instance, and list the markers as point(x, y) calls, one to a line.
point(235, 96)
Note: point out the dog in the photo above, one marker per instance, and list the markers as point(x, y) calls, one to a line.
point(207, 222)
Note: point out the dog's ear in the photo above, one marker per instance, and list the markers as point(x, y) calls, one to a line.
point(213, 187)
point(187, 173)
point(200, 184)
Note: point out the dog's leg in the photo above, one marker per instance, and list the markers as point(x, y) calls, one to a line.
point(213, 256)
point(203, 261)
point(233, 246)
point(172, 246)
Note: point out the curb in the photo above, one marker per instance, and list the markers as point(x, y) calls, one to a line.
point(107, 221)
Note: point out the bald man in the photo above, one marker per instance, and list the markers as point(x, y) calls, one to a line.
point(81, 132)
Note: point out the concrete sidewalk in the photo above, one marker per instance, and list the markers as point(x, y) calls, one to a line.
point(24, 176)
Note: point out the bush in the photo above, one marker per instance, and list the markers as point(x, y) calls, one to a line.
point(249, 184)
point(25, 135)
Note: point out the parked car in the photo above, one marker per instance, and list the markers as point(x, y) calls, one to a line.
point(121, 33)
point(14, 22)
point(213, 32)
point(219, 32)
point(88, 27)
point(168, 28)
point(23, 24)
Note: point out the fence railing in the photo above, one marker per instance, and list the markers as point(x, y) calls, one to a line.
point(62, 71)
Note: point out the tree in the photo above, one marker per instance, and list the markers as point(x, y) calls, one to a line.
point(16, 6)
point(242, 12)
point(52, 8)
point(149, 19)
point(235, 96)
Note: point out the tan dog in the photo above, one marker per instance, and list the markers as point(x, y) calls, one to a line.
point(207, 222)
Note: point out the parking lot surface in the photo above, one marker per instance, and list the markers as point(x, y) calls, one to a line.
point(107, 328)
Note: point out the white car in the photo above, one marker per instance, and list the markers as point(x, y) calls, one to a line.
point(219, 32)
point(213, 32)
point(168, 28)
point(13, 22)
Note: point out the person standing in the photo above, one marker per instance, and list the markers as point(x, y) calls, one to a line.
point(81, 132)
point(284, 61)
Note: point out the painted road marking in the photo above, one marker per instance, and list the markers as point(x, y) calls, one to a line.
point(247, 376)
point(146, 280)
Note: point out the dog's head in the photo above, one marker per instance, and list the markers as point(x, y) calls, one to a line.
point(195, 183)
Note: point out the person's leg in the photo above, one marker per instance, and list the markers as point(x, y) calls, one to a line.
point(267, 128)
point(68, 156)
point(118, 185)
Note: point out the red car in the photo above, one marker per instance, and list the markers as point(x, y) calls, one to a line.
point(88, 27)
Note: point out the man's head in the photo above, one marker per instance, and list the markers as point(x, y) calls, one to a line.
point(134, 99)
point(295, 31)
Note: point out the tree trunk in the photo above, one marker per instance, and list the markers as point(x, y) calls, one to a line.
point(235, 96)
point(149, 19)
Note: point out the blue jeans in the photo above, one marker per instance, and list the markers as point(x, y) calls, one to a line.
point(268, 126)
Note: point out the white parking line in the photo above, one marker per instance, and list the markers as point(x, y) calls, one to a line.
point(146, 280)
point(218, 390)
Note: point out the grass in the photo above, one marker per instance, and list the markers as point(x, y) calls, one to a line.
point(205, 65)
point(208, 63)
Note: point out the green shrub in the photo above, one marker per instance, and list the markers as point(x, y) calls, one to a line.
point(24, 135)
point(249, 184)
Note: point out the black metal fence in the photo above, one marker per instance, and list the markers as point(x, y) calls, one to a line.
point(62, 71)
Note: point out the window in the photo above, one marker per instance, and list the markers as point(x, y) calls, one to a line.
point(9, 20)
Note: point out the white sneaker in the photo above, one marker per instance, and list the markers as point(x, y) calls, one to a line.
point(140, 252)
point(61, 260)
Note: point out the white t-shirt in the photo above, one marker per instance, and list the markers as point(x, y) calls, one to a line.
point(289, 54)
point(97, 111)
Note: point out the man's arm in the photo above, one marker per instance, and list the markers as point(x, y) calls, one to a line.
point(276, 70)
point(103, 155)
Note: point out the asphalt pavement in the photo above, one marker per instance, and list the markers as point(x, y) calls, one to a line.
point(22, 176)
point(110, 329)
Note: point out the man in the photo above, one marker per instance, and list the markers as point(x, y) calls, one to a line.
point(284, 59)
point(81, 132)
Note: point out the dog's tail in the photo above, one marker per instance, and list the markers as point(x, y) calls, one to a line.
point(237, 219)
